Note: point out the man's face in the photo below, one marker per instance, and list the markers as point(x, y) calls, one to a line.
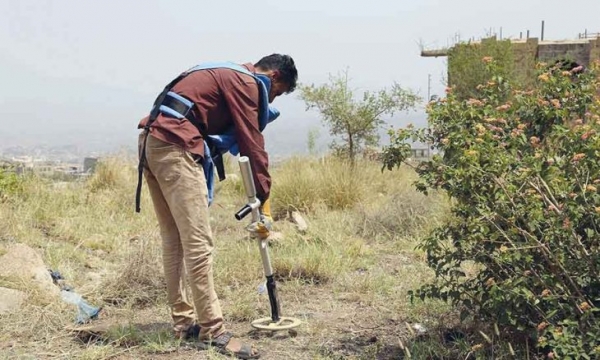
point(278, 87)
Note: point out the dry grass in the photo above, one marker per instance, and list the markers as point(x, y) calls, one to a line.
point(346, 277)
point(309, 185)
point(110, 174)
point(140, 281)
point(399, 216)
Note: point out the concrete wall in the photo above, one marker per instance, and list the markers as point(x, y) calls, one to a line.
point(583, 51)
point(527, 52)
point(578, 52)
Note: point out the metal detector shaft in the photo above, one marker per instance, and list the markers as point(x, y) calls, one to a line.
point(252, 207)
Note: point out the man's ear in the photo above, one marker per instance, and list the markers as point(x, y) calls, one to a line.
point(275, 74)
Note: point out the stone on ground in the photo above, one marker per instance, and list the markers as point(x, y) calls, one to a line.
point(10, 300)
point(22, 262)
point(299, 221)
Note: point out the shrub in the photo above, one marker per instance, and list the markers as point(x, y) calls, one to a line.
point(521, 168)
point(306, 184)
point(10, 184)
point(466, 70)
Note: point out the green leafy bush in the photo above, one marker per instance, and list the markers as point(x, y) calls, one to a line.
point(10, 184)
point(521, 167)
point(466, 70)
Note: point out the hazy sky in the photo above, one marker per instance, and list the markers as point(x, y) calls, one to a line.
point(84, 72)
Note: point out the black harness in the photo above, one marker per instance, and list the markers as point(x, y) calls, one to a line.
point(184, 109)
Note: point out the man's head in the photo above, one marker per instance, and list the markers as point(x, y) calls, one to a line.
point(282, 72)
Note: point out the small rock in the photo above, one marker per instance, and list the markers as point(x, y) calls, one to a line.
point(299, 221)
point(23, 262)
point(10, 300)
point(419, 328)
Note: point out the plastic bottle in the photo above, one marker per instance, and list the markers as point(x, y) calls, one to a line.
point(85, 311)
point(262, 288)
point(71, 297)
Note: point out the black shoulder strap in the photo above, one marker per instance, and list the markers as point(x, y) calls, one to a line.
point(161, 97)
point(153, 115)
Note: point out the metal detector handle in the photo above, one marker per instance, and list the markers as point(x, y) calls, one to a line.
point(243, 212)
point(247, 209)
point(252, 207)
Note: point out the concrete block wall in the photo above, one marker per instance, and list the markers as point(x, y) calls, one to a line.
point(529, 51)
point(578, 52)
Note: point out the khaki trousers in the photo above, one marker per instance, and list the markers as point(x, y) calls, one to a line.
point(177, 186)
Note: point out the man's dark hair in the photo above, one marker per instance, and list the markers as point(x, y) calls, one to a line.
point(285, 65)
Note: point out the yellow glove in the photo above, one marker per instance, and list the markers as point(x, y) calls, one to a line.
point(265, 210)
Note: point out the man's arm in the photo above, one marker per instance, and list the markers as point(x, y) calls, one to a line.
point(242, 100)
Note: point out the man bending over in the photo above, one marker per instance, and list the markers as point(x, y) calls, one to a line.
point(175, 146)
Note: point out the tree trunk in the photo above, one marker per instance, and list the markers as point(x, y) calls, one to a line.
point(351, 148)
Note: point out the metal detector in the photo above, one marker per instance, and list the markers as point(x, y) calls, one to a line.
point(276, 321)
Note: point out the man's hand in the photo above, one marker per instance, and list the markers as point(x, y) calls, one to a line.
point(263, 227)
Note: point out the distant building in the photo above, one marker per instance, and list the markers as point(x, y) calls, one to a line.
point(421, 153)
point(584, 50)
point(40, 166)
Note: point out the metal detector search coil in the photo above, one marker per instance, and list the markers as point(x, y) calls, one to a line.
point(275, 322)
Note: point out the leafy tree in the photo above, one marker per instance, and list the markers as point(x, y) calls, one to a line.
point(355, 121)
point(521, 167)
